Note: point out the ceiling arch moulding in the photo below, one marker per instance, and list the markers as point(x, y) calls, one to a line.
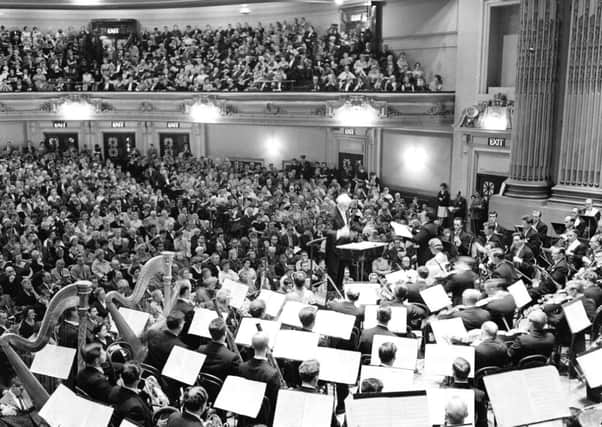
point(131, 4)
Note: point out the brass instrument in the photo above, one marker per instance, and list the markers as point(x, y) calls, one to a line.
point(229, 335)
point(74, 295)
point(273, 362)
point(159, 264)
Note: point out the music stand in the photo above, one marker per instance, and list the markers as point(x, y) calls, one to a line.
point(559, 228)
point(360, 252)
point(591, 223)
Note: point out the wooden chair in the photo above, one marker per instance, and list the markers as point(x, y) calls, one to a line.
point(482, 373)
point(211, 384)
point(533, 361)
point(161, 415)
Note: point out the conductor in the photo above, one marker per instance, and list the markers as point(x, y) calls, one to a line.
point(339, 234)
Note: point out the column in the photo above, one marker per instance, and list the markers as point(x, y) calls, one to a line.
point(580, 159)
point(532, 133)
point(198, 140)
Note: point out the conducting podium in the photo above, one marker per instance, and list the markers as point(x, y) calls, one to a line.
point(357, 253)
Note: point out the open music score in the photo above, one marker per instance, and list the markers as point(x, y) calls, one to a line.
point(590, 363)
point(402, 409)
point(439, 359)
point(199, 325)
point(402, 230)
point(238, 292)
point(393, 379)
point(519, 292)
point(183, 365)
point(290, 313)
point(334, 324)
point(368, 292)
point(296, 345)
point(273, 301)
point(53, 361)
point(241, 396)
point(576, 316)
point(248, 328)
point(527, 396)
point(300, 409)
point(338, 366)
point(446, 329)
point(64, 408)
point(137, 320)
point(397, 324)
point(407, 351)
point(435, 298)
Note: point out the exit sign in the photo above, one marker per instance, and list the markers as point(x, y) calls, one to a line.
point(59, 124)
point(118, 124)
point(173, 125)
point(496, 142)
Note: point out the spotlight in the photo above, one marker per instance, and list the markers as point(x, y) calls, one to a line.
point(70, 110)
point(204, 112)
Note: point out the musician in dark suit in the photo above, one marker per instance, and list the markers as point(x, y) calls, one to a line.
point(309, 373)
point(383, 316)
point(503, 269)
point(498, 302)
point(347, 306)
point(339, 234)
point(259, 369)
point(220, 361)
point(521, 256)
point(540, 227)
point(92, 378)
point(68, 331)
point(491, 351)
point(498, 230)
point(428, 231)
point(461, 278)
point(160, 342)
point(461, 370)
point(530, 235)
point(472, 316)
point(462, 239)
point(575, 250)
point(537, 341)
point(194, 404)
point(554, 277)
point(415, 314)
point(129, 402)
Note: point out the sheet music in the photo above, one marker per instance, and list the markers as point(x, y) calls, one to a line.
point(590, 364)
point(402, 230)
point(368, 292)
point(393, 379)
point(273, 301)
point(520, 294)
point(183, 365)
point(248, 328)
point(241, 396)
point(200, 322)
point(290, 313)
point(137, 320)
point(296, 345)
point(338, 366)
point(435, 298)
point(445, 329)
point(334, 324)
point(396, 276)
point(399, 318)
point(66, 409)
point(407, 351)
point(438, 398)
point(126, 423)
point(238, 292)
point(576, 316)
point(299, 409)
point(407, 411)
point(439, 358)
point(53, 361)
point(361, 246)
point(537, 395)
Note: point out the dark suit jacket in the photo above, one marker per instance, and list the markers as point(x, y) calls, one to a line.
point(472, 317)
point(334, 265)
point(426, 233)
point(95, 383)
point(160, 344)
point(220, 361)
point(532, 343)
point(505, 271)
point(102, 311)
point(458, 283)
point(132, 406)
point(542, 230)
point(183, 419)
point(491, 353)
point(261, 370)
point(365, 346)
point(67, 335)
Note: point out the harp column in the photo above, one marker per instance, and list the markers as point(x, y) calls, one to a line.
point(532, 133)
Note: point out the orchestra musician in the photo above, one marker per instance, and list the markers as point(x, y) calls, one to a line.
point(540, 227)
point(501, 268)
point(220, 361)
point(536, 341)
point(530, 235)
point(554, 277)
point(575, 250)
point(521, 255)
point(427, 231)
point(461, 239)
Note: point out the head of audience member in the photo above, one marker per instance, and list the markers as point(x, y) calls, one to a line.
point(260, 343)
point(537, 320)
point(387, 352)
point(401, 293)
point(175, 322)
point(130, 375)
point(94, 355)
point(309, 372)
point(307, 317)
point(195, 400)
point(383, 315)
point(371, 385)
point(217, 330)
point(257, 308)
point(461, 370)
point(489, 330)
point(456, 411)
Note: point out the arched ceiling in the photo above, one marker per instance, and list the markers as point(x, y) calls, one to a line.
point(128, 4)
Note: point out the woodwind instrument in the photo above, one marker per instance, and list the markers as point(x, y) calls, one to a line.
point(273, 362)
point(229, 335)
point(159, 264)
point(68, 297)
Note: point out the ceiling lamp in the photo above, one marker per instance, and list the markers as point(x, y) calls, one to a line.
point(204, 112)
point(352, 114)
point(76, 110)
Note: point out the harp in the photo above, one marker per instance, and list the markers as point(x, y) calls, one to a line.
point(160, 264)
point(74, 295)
